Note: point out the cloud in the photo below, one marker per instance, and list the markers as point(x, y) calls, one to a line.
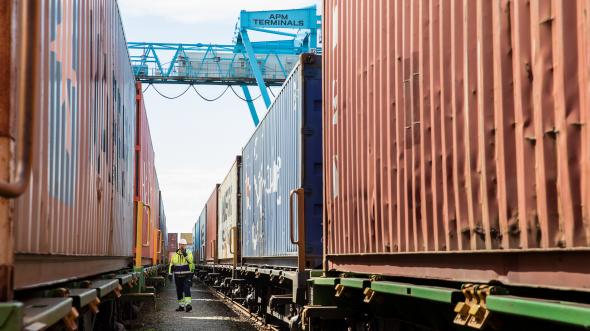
point(200, 11)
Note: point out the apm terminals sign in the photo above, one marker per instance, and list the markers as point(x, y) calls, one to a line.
point(279, 20)
point(276, 19)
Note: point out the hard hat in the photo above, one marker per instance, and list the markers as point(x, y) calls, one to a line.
point(182, 242)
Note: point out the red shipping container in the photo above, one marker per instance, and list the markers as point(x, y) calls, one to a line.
point(444, 158)
point(211, 237)
point(172, 242)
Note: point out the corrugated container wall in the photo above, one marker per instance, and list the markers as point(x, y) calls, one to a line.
point(200, 234)
point(172, 242)
point(163, 229)
point(80, 198)
point(229, 212)
point(146, 190)
point(211, 227)
point(196, 248)
point(458, 126)
point(285, 153)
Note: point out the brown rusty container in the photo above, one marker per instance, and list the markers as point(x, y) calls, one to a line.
point(457, 140)
point(172, 242)
point(211, 236)
point(76, 217)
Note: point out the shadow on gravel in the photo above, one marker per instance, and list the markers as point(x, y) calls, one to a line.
point(208, 313)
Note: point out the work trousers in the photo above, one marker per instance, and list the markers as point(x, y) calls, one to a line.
point(183, 289)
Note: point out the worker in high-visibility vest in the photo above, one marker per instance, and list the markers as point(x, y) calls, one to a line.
point(182, 266)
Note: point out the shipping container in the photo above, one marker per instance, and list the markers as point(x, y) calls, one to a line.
point(200, 234)
point(146, 191)
point(188, 237)
point(163, 230)
point(210, 248)
point(76, 217)
point(229, 214)
point(172, 242)
point(283, 154)
point(456, 141)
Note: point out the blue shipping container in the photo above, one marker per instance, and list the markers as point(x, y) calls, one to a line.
point(199, 236)
point(285, 153)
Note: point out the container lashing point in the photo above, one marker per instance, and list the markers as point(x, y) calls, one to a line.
point(71, 320)
point(462, 308)
point(473, 312)
point(479, 312)
point(339, 289)
point(369, 294)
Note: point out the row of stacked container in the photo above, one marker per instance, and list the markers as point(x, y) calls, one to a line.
point(247, 216)
point(92, 157)
point(455, 164)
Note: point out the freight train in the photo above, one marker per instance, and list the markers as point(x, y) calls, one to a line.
point(81, 213)
point(447, 187)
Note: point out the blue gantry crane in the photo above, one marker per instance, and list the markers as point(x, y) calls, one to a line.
point(244, 62)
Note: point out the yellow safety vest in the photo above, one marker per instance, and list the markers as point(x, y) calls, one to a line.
point(179, 260)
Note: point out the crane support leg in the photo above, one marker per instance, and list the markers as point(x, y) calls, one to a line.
point(250, 102)
point(255, 68)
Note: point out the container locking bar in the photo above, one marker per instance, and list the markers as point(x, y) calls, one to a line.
point(139, 244)
point(300, 242)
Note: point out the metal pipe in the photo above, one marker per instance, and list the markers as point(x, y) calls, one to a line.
point(28, 95)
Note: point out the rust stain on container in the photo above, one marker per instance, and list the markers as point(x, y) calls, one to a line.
point(456, 127)
point(211, 255)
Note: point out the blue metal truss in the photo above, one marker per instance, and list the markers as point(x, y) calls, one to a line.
point(244, 63)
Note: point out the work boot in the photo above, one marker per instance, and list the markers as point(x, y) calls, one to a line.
point(180, 308)
point(189, 308)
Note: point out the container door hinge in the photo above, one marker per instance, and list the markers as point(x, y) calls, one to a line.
point(473, 311)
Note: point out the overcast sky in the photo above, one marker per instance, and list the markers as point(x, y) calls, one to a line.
point(195, 141)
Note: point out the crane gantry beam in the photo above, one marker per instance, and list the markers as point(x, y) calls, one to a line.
point(244, 62)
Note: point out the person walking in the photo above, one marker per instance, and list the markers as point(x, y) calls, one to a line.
point(182, 267)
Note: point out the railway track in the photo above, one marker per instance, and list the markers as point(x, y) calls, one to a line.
point(257, 321)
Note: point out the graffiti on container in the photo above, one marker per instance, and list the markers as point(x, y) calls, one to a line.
point(273, 171)
point(226, 216)
point(63, 107)
point(258, 224)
